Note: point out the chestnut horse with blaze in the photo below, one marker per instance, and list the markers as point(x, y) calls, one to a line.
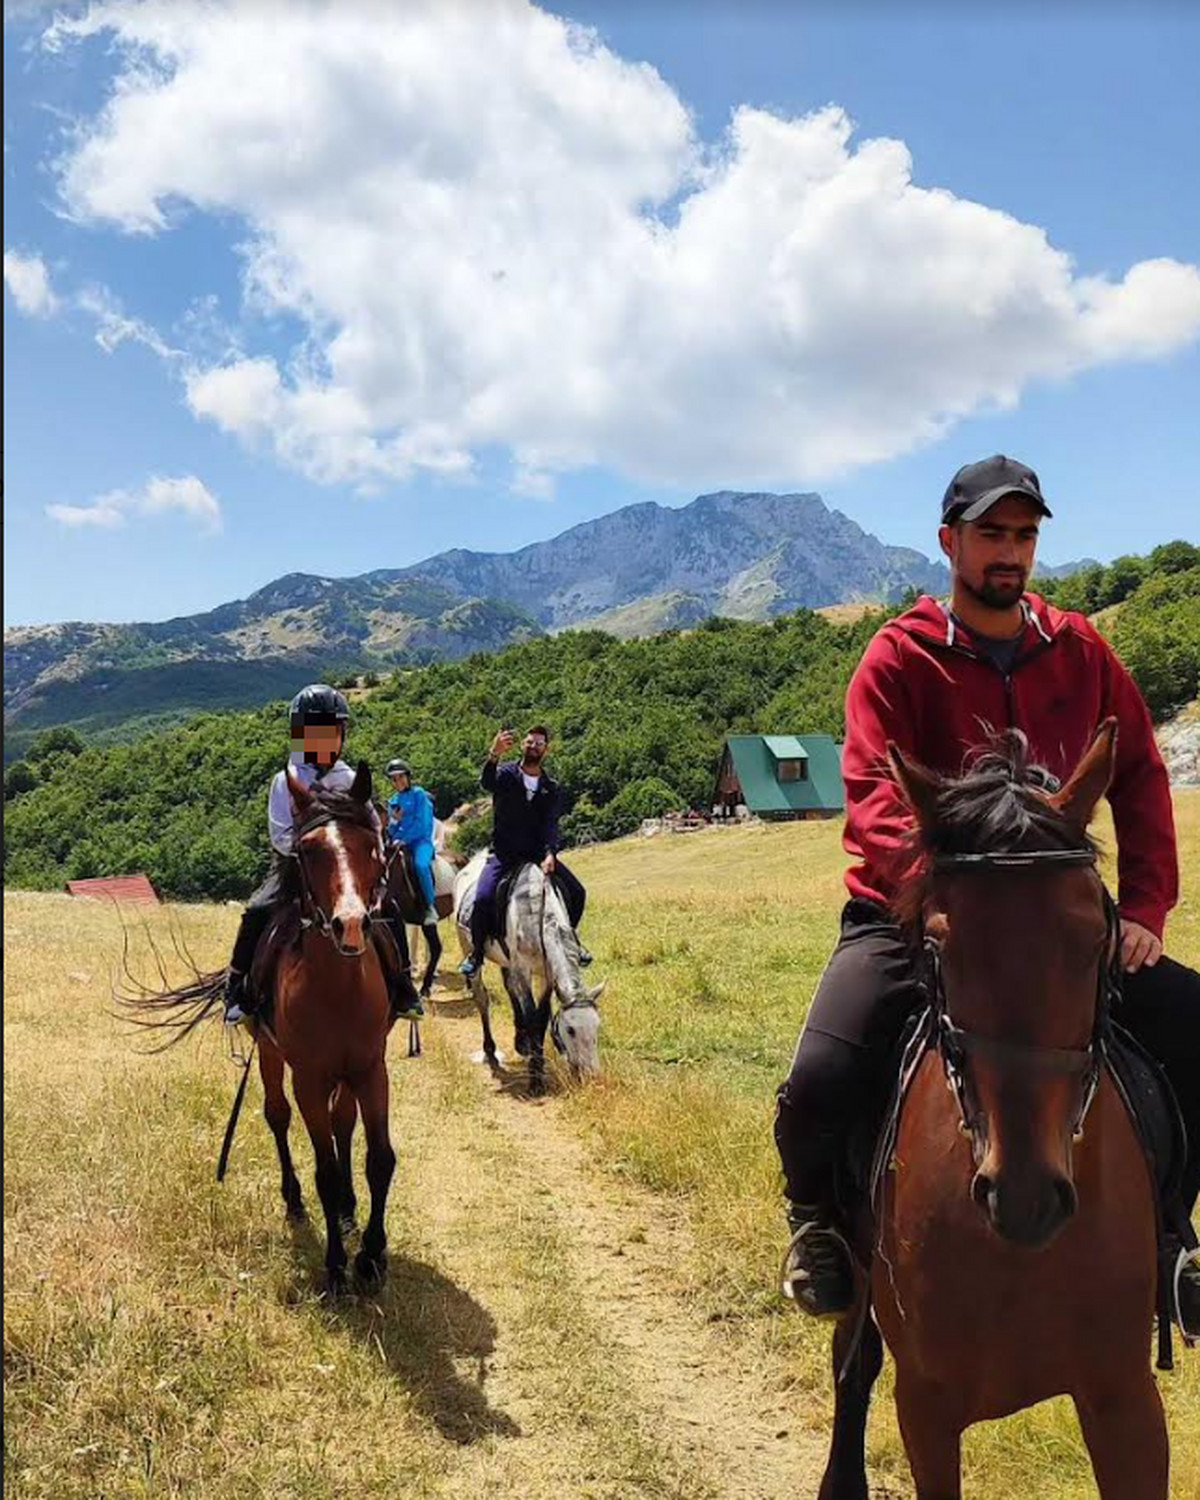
point(1013, 1251)
point(329, 1020)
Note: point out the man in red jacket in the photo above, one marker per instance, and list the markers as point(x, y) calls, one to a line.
point(934, 681)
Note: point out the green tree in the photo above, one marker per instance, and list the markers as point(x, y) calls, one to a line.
point(20, 777)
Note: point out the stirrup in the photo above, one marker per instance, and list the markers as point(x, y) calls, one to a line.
point(793, 1281)
point(1186, 1257)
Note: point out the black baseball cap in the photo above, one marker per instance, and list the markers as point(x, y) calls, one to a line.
point(977, 487)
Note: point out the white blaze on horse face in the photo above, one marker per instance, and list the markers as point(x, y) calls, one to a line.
point(348, 906)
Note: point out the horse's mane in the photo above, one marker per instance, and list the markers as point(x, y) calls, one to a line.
point(999, 805)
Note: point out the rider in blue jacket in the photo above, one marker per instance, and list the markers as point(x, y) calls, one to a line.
point(410, 822)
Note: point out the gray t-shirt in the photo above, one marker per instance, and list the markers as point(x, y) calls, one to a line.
point(1001, 652)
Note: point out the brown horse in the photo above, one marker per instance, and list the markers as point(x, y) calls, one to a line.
point(330, 1018)
point(1013, 1252)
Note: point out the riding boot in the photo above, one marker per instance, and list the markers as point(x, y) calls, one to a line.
point(471, 965)
point(237, 999)
point(585, 957)
point(818, 1270)
point(404, 1001)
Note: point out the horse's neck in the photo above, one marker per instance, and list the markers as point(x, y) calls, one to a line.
point(542, 926)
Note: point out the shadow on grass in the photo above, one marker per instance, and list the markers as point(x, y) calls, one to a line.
point(426, 1329)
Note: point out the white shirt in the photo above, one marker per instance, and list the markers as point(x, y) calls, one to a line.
point(281, 820)
point(531, 785)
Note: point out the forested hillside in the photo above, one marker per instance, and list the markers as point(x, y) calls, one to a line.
point(638, 726)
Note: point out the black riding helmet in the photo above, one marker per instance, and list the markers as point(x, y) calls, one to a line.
point(317, 704)
point(399, 767)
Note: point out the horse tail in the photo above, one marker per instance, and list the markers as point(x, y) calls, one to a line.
point(177, 1009)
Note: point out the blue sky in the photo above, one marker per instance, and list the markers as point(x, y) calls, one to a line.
point(311, 365)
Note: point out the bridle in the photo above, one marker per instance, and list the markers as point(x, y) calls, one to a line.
point(312, 914)
point(957, 1045)
point(582, 1002)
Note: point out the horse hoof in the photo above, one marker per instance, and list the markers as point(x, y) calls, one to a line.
point(335, 1280)
point(492, 1059)
point(369, 1270)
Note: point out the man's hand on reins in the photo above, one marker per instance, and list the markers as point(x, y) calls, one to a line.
point(1138, 946)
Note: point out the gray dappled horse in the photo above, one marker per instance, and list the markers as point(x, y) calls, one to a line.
point(542, 960)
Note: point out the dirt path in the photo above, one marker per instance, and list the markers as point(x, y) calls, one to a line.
point(708, 1421)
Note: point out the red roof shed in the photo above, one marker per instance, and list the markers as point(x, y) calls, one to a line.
point(135, 890)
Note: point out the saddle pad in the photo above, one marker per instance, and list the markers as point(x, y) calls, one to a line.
point(1152, 1104)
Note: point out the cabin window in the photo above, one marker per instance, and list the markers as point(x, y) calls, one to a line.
point(793, 770)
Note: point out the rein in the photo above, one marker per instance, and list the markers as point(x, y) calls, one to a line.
point(957, 1045)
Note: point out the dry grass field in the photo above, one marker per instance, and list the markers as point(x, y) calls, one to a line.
point(581, 1300)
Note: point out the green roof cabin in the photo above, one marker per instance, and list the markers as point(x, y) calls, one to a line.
point(780, 776)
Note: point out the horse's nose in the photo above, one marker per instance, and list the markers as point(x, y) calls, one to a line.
point(1027, 1213)
point(339, 928)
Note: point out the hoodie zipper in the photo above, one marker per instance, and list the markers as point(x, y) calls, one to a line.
point(1010, 701)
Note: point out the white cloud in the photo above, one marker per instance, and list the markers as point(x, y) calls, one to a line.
point(115, 327)
point(28, 280)
point(498, 234)
point(186, 495)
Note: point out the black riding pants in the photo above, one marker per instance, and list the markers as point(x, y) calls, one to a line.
point(282, 884)
point(843, 1069)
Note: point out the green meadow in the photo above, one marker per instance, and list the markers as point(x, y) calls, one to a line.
point(167, 1337)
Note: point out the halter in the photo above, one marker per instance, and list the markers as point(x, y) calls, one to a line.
point(957, 1045)
point(312, 913)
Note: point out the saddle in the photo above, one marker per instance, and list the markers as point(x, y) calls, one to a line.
point(405, 890)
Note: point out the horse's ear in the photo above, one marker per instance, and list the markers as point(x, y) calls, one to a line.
point(598, 990)
point(919, 785)
point(301, 796)
point(360, 788)
point(1090, 778)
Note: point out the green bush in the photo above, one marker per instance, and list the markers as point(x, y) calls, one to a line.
point(648, 798)
point(20, 777)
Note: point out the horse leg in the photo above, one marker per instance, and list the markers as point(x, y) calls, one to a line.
point(1126, 1436)
point(433, 941)
point(854, 1376)
point(345, 1117)
point(932, 1433)
point(312, 1095)
point(522, 1005)
point(537, 1046)
point(381, 1163)
point(278, 1114)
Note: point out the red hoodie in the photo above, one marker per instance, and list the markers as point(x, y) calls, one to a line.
point(922, 684)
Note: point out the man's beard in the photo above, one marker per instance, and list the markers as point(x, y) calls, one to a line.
point(534, 757)
point(995, 594)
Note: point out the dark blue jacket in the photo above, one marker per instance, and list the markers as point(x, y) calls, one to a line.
point(525, 828)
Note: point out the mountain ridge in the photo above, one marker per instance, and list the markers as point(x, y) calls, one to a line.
point(637, 570)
